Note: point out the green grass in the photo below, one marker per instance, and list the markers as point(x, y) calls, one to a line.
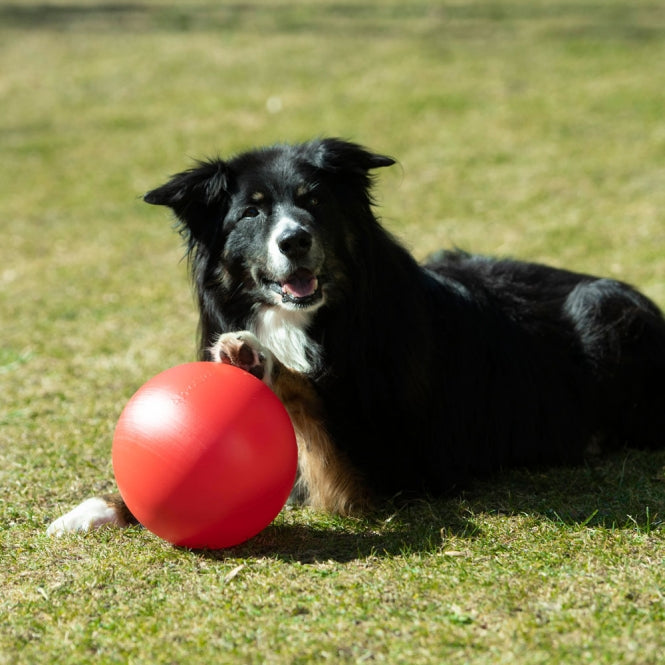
point(526, 128)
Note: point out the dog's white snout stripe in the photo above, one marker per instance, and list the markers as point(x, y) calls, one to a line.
point(278, 262)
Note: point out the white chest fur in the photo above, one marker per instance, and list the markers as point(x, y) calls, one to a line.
point(284, 332)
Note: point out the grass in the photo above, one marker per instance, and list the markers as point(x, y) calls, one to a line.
point(525, 128)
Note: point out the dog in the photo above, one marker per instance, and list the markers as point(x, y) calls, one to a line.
point(400, 377)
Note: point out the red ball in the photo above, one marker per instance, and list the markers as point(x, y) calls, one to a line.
point(204, 455)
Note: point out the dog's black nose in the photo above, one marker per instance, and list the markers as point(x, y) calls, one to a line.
point(295, 243)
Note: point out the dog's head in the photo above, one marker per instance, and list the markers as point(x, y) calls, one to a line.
point(270, 227)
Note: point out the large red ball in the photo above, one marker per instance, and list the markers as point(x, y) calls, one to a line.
point(204, 455)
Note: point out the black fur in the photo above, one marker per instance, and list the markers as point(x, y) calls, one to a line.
point(427, 374)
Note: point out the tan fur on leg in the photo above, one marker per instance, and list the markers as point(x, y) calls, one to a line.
point(329, 481)
point(124, 515)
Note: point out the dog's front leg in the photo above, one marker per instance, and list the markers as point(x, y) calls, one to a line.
point(326, 479)
point(92, 514)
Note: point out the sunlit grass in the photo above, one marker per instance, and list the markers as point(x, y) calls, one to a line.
point(526, 128)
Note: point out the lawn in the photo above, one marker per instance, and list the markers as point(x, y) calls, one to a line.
point(527, 128)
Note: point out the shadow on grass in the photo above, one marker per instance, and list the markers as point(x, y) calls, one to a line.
point(625, 491)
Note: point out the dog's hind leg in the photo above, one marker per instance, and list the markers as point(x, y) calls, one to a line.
point(326, 479)
point(622, 336)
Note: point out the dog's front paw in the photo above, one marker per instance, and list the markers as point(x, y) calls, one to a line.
point(244, 350)
point(90, 514)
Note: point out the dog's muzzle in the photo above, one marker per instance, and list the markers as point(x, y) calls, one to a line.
point(294, 258)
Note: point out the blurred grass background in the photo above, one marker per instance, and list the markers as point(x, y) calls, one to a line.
point(528, 128)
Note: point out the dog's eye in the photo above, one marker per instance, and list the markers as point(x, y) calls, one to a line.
point(252, 211)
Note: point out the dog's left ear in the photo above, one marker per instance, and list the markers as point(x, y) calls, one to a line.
point(339, 156)
point(196, 196)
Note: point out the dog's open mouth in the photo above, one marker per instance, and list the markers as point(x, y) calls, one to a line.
point(300, 288)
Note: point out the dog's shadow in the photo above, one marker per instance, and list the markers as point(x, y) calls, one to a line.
point(625, 491)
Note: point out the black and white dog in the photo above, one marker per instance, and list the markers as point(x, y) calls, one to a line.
point(401, 377)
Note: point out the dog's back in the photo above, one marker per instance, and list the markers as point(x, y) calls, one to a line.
point(598, 337)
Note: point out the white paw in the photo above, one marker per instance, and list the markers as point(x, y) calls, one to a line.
point(90, 514)
point(244, 350)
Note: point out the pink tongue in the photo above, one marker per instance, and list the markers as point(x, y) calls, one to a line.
point(301, 284)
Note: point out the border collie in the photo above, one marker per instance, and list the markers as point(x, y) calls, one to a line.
point(400, 377)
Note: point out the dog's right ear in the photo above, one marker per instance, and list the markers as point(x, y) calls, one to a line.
point(197, 196)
